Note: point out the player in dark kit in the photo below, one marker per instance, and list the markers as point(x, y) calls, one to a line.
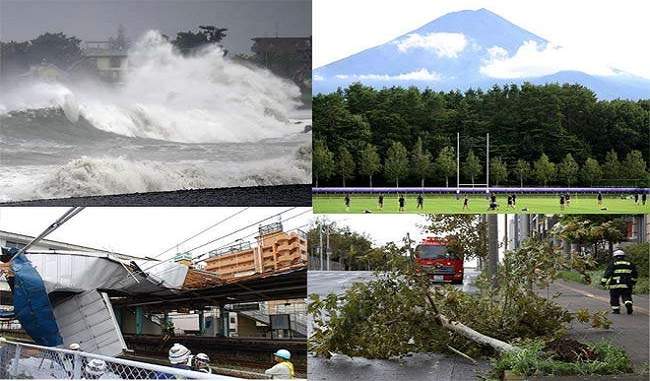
point(347, 202)
point(514, 200)
point(562, 200)
point(599, 199)
point(567, 198)
point(401, 203)
point(380, 201)
point(420, 201)
point(493, 202)
point(465, 202)
point(636, 198)
point(643, 198)
point(510, 205)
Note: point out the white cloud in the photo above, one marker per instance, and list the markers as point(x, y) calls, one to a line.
point(443, 44)
point(532, 60)
point(318, 77)
point(418, 75)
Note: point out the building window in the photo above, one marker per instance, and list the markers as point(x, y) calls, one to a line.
point(233, 321)
point(115, 62)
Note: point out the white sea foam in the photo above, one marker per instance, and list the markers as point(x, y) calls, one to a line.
point(92, 176)
point(204, 97)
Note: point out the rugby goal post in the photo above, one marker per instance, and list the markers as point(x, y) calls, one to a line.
point(487, 165)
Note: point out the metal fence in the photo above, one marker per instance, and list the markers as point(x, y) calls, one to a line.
point(28, 361)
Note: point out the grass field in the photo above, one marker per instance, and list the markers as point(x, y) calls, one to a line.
point(447, 204)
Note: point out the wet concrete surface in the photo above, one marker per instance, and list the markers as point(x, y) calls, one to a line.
point(418, 366)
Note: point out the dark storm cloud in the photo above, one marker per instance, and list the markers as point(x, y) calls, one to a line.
point(98, 19)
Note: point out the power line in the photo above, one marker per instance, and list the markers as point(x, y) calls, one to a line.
point(221, 237)
point(247, 236)
point(203, 231)
point(240, 229)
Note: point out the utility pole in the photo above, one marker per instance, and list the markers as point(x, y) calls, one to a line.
point(320, 235)
point(328, 251)
point(493, 247)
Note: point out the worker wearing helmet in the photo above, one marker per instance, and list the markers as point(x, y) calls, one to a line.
point(180, 356)
point(283, 370)
point(95, 369)
point(201, 361)
point(620, 277)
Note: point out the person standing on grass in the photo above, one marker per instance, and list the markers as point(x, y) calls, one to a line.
point(514, 199)
point(620, 278)
point(401, 203)
point(636, 198)
point(562, 200)
point(380, 202)
point(643, 198)
point(420, 201)
point(599, 199)
point(510, 201)
point(347, 202)
point(465, 203)
point(567, 198)
point(493, 202)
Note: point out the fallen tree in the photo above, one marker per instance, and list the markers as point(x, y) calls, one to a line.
point(399, 312)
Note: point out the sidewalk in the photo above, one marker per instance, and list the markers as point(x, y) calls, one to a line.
point(628, 331)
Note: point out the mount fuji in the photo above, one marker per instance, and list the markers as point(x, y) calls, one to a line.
point(474, 49)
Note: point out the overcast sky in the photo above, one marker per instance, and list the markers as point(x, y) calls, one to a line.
point(99, 19)
point(144, 231)
point(382, 229)
point(612, 33)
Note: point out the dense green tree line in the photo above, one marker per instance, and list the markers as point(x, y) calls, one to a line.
point(548, 135)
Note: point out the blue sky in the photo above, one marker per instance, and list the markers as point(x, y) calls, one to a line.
point(594, 37)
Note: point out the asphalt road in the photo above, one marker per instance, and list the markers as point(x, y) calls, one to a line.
point(325, 282)
point(418, 366)
point(275, 195)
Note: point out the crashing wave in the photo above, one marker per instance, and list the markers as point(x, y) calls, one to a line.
point(200, 98)
point(100, 176)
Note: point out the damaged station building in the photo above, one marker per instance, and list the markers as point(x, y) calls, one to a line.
point(238, 305)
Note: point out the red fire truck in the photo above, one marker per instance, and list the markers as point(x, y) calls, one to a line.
point(439, 260)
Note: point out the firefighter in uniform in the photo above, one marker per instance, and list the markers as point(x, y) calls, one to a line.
point(620, 278)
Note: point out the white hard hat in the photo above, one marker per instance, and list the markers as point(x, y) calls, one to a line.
point(179, 354)
point(75, 346)
point(202, 357)
point(283, 353)
point(95, 367)
point(618, 253)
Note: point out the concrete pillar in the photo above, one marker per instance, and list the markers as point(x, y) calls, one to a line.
point(201, 323)
point(139, 320)
point(525, 227)
point(225, 322)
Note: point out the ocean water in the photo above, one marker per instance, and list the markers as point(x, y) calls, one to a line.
point(175, 123)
